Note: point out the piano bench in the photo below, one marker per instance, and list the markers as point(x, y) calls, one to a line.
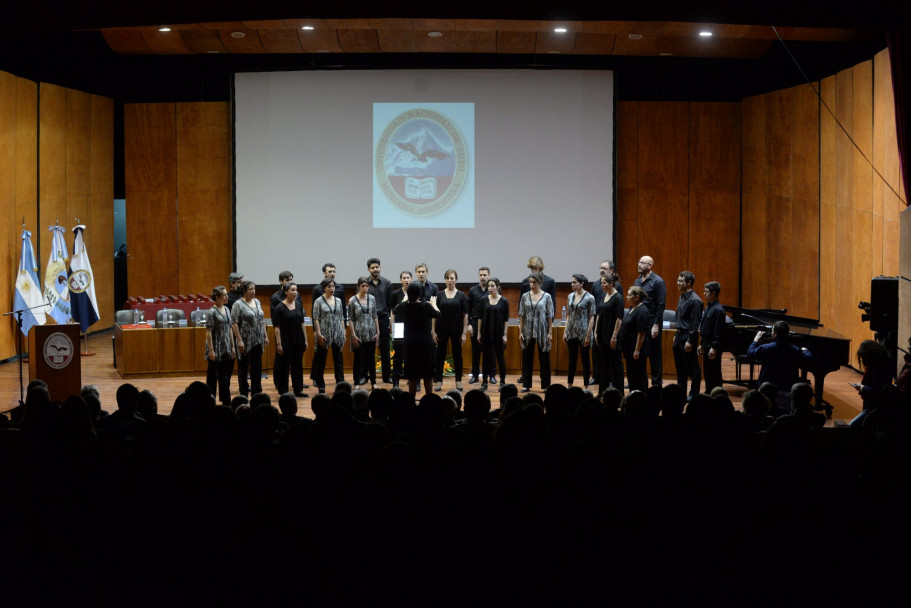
point(739, 362)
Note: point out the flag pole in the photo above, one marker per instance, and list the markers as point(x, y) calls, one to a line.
point(85, 347)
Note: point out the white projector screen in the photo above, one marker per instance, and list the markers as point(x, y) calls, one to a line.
point(455, 168)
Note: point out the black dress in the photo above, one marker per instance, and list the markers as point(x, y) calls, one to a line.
point(493, 318)
point(419, 349)
point(611, 372)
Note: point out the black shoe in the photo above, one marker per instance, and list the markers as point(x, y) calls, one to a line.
point(520, 380)
point(493, 379)
point(592, 381)
point(386, 380)
point(395, 384)
point(472, 379)
point(301, 394)
point(484, 387)
point(361, 381)
point(322, 389)
point(525, 389)
point(305, 386)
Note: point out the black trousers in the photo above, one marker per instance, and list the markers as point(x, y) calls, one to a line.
point(611, 373)
point(218, 376)
point(528, 362)
point(398, 358)
point(495, 361)
point(655, 358)
point(293, 361)
point(250, 362)
point(575, 345)
point(687, 364)
point(318, 367)
point(383, 318)
point(712, 369)
point(476, 350)
point(364, 362)
point(455, 342)
point(636, 375)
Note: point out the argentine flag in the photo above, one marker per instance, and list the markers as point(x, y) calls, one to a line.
point(28, 293)
point(82, 283)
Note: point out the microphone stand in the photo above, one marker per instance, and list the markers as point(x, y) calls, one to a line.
point(18, 314)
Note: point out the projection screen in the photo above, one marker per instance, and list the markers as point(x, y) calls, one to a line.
point(454, 168)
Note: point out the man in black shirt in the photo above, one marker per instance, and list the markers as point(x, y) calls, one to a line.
point(428, 287)
point(710, 329)
point(381, 289)
point(475, 295)
point(234, 293)
point(657, 295)
point(686, 340)
point(398, 345)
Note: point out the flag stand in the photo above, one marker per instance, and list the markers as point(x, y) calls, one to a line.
point(85, 347)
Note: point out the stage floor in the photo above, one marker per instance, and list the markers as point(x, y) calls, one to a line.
point(100, 371)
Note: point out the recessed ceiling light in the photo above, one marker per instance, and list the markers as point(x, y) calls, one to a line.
point(164, 29)
point(237, 34)
point(554, 53)
point(705, 34)
point(307, 27)
point(635, 36)
point(560, 30)
point(434, 34)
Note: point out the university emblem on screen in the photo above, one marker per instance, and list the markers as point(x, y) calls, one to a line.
point(421, 162)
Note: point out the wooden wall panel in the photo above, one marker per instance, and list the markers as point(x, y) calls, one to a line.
point(714, 196)
point(205, 218)
point(663, 182)
point(51, 167)
point(627, 189)
point(9, 238)
point(99, 234)
point(150, 152)
point(828, 265)
point(754, 202)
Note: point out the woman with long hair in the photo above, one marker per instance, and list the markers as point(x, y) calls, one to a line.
point(493, 314)
point(365, 329)
point(577, 333)
point(220, 346)
point(536, 321)
point(635, 340)
point(329, 332)
point(451, 328)
point(878, 375)
point(290, 341)
point(249, 323)
point(607, 334)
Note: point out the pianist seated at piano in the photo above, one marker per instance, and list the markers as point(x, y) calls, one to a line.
point(781, 360)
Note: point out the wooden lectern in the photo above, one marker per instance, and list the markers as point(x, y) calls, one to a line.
point(53, 356)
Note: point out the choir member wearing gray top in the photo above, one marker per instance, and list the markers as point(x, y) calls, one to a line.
point(577, 334)
point(536, 317)
point(365, 329)
point(249, 322)
point(329, 331)
point(220, 346)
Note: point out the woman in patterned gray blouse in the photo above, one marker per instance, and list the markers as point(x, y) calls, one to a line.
point(220, 346)
point(365, 328)
point(329, 331)
point(536, 318)
point(578, 331)
point(250, 327)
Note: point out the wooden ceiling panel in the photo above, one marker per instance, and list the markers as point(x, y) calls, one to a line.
point(687, 30)
point(515, 42)
point(349, 24)
point(319, 40)
point(476, 42)
point(358, 41)
point(447, 43)
point(518, 26)
point(475, 25)
point(397, 41)
point(248, 44)
point(280, 41)
point(391, 24)
point(202, 41)
point(126, 41)
point(644, 47)
point(594, 44)
point(551, 42)
point(164, 43)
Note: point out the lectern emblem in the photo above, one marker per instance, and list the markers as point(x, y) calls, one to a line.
point(58, 350)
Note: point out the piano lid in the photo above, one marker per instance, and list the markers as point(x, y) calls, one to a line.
point(756, 317)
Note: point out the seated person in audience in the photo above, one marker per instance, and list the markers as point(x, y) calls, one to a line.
point(802, 409)
point(878, 374)
point(781, 360)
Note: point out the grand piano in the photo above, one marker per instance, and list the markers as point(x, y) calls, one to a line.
point(830, 349)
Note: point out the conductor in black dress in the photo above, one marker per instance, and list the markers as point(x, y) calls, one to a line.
point(419, 348)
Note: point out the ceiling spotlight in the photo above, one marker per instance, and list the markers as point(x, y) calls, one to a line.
point(554, 53)
point(237, 34)
point(560, 30)
point(705, 34)
point(307, 27)
point(164, 29)
point(434, 34)
point(635, 36)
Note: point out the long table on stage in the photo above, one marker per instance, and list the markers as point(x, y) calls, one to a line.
point(179, 351)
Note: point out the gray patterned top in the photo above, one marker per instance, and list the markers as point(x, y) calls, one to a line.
point(363, 318)
point(250, 322)
point(219, 325)
point(331, 320)
point(577, 315)
point(535, 316)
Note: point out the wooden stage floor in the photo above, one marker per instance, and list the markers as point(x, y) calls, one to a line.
point(100, 371)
